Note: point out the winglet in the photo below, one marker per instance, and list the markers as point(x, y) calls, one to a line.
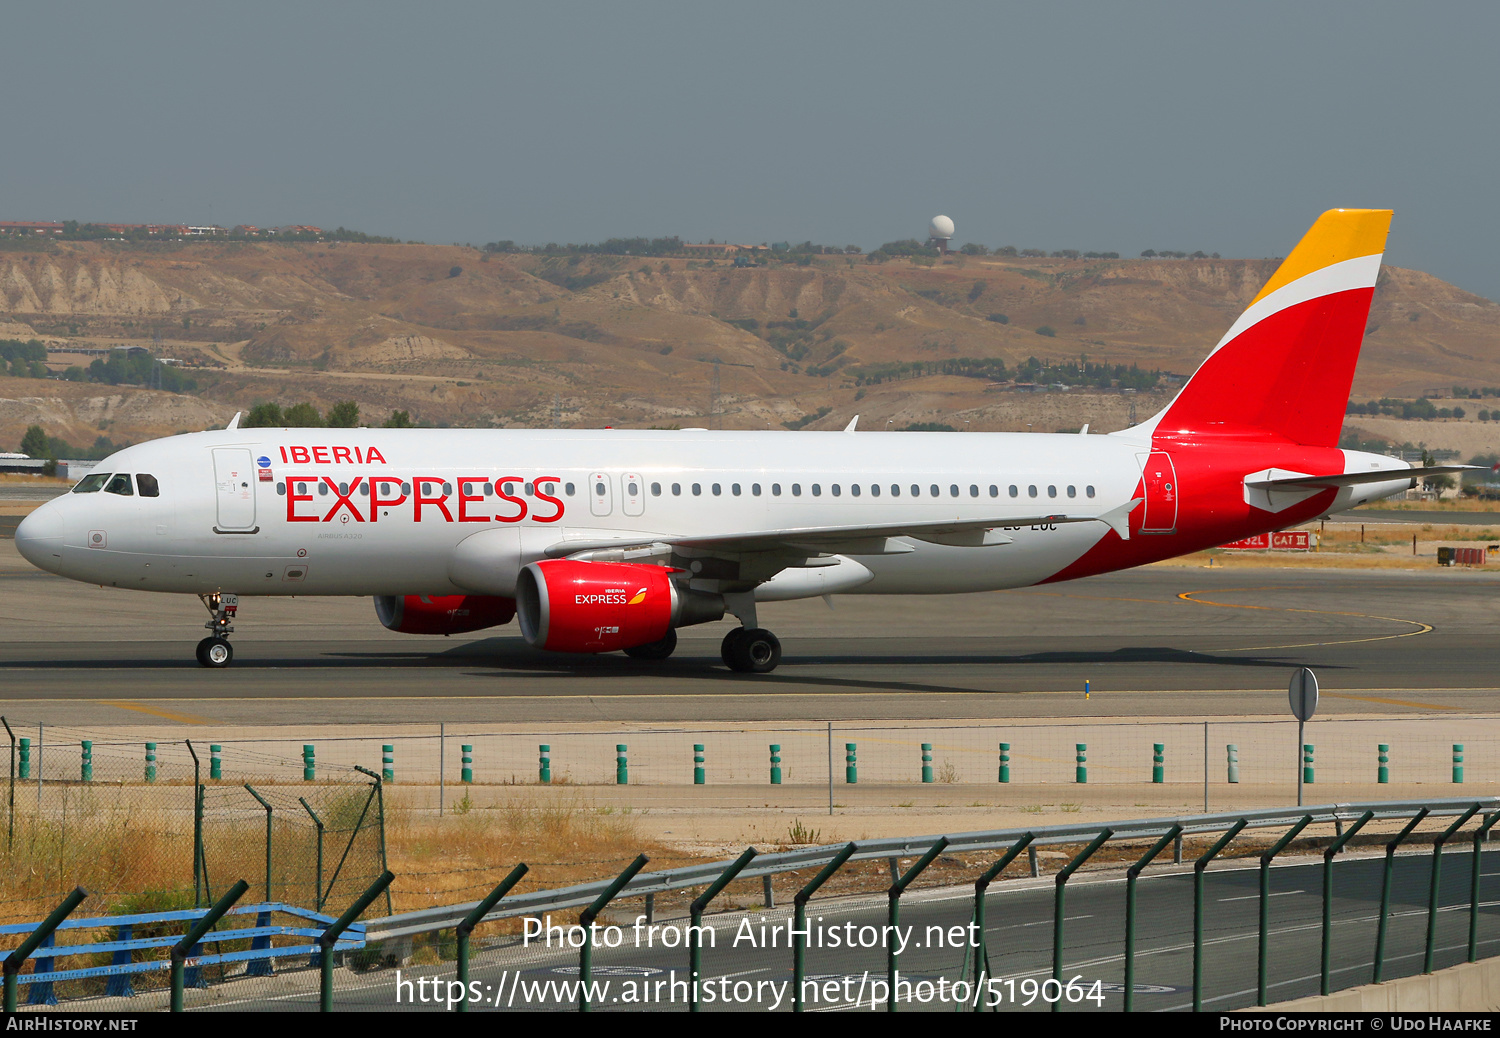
point(1118, 519)
point(852, 423)
point(234, 423)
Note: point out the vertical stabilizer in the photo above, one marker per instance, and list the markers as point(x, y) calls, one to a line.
point(1283, 371)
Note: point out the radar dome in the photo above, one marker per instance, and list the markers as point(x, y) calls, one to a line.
point(941, 227)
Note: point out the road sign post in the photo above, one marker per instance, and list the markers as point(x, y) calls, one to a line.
point(1303, 696)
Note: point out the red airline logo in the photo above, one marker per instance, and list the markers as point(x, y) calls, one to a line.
point(429, 495)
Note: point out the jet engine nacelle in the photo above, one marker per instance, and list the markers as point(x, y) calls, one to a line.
point(569, 605)
point(443, 614)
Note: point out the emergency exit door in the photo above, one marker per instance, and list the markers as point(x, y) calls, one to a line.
point(1159, 477)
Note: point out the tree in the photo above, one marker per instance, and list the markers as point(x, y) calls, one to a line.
point(454, 272)
point(34, 443)
point(263, 416)
point(343, 415)
point(303, 416)
point(399, 420)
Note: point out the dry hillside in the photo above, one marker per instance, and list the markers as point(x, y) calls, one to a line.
point(526, 340)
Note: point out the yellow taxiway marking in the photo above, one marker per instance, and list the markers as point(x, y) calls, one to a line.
point(1391, 702)
point(1421, 628)
point(141, 708)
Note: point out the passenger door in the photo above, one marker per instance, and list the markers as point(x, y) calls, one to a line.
point(234, 490)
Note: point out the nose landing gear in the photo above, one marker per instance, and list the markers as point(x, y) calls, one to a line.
point(215, 650)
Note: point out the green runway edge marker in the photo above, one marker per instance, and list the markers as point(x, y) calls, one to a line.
point(151, 762)
point(1081, 771)
point(23, 767)
point(622, 766)
point(544, 762)
point(927, 762)
point(699, 774)
point(851, 764)
point(388, 763)
point(1233, 752)
point(309, 763)
point(86, 770)
point(1158, 763)
point(1458, 762)
point(1005, 762)
point(466, 775)
point(775, 764)
point(1307, 763)
point(215, 762)
point(1383, 772)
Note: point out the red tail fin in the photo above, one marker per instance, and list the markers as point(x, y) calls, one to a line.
point(1283, 371)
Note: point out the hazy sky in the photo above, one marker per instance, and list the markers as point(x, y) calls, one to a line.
point(1124, 126)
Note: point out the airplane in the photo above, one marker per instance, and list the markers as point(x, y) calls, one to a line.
point(606, 540)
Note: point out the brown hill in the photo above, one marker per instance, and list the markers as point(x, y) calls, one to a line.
point(513, 340)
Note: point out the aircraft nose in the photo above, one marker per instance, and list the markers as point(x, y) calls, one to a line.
point(39, 538)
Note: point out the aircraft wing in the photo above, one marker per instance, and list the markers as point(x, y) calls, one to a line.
point(869, 539)
point(1349, 479)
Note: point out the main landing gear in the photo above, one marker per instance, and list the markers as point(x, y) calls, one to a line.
point(215, 650)
point(751, 650)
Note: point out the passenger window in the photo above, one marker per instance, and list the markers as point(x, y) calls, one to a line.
point(631, 488)
point(344, 488)
point(405, 487)
point(147, 485)
point(817, 489)
point(598, 489)
point(697, 489)
point(994, 490)
point(92, 483)
point(568, 489)
point(973, 490)
point(895, 489)
point(735, 489)
point(796, 489)
point(916, 491)
point(322, 489)
point(854, 489)
point(1051, 491)
point(120, 485)
point(775, 489)
point(953, 490)
point(489, 489)
point(1089, 491)
point(935, 490)
point(1014, 490)
point(874, 489)
point(718, 490)
point(837, 490)
point(676, 489)
point(1072, 491)
point(546, 488)
point(755, 489)
point(1031, 490)
point(281, 488)
point(656, 490)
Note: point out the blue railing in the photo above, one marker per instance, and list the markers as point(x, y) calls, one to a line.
point(259, 957)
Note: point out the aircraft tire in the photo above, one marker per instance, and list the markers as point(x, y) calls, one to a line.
point(657, 650)
point(729, 649)
point(756, 651)
point(215, 652)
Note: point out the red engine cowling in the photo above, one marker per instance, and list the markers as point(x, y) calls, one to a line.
point(443, 614)
point(573, 606)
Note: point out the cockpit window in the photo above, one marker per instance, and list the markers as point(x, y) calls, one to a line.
point(120, 484)
point(146, 483)
point(92, 483)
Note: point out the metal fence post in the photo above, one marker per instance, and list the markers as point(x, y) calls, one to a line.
point(1198, 867)
point(695, 914)
point(1265, 904)
point(1333, 848)
point(799, 926)
point(200, 867)
point(472, 920)
point(10, 804)
point(1385, 891)
point(330, 937)
point(1480, 835)
point(195, 933)
point(318, 893)
point(265, 804)
point(893, 913)
point(586, 920)
point(16, 959)
point(1060, 896)
point(1432, 891)
point(981, 885)
point(1131, 875)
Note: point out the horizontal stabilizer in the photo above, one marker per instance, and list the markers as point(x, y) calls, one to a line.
point(1350, 479)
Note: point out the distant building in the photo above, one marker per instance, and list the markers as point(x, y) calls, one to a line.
point(29, 227)
point(204, 232)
